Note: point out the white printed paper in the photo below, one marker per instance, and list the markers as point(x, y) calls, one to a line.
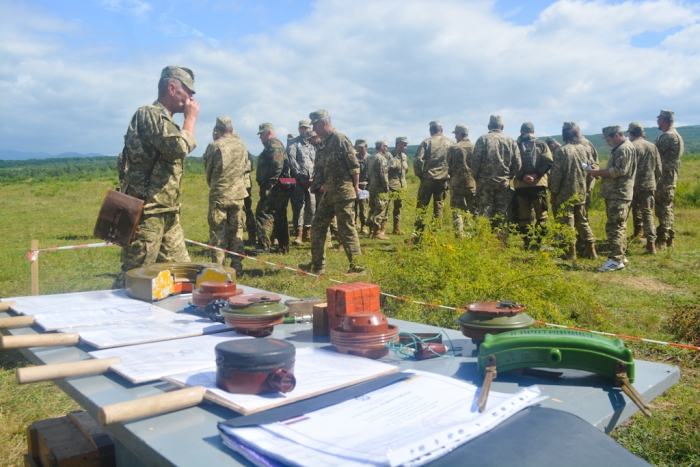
point(317, 371)
point(150, 362)
point(58, 303)
point(93, 317)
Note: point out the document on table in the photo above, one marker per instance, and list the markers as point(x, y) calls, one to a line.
point(83, 317)
point(407, 423)
point(64, 302)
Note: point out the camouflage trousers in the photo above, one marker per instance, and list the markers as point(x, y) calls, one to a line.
point(378, 209)
point(493, 202)
point(664, 211)
point(532, 199)
point(271, 218)
point(362, 211)
point(435, 189)
point(347, 234)
point(643, 214)
point(461, 201)
point(302, 202)
point(617, 211)
point(396, 213)
point(226, 230)
point(159, 239)
point(250, 225)
point(576, 217)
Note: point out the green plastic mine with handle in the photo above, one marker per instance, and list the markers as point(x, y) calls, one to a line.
point(545, 348)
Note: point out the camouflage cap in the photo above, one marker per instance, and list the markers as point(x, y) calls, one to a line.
point(569, 126)
point(360, 142)
point(401, 139)
point(304, 124)
point(666, 114)
point(291, 136)
point(635, 128)
point(265, 126)
point(527, 127)
point(495, 120)
point(380, 142)
point(435, 123)
point(611, 130)
point(318, 115)
point(185, 75)
point(461, 128)
point(224, 122)
point(309, 134)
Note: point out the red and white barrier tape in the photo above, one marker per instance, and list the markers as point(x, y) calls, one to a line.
point(433, 305)
point(33, 254)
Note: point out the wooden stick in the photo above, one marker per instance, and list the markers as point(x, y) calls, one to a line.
point(4, 306)
point(16, 322)
point(35, 269)
point(38, 340)
point(94, 366)
point(150, 406)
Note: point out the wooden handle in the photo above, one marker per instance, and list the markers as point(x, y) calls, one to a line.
point(16, 322)
point(4, 306)
point(95, 366)
point(38, 340)
point(150, 406)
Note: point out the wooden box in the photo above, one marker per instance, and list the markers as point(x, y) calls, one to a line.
point(351, 299)
point(75, 440)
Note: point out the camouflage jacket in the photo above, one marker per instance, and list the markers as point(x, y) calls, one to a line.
point(461, 180)
point(648, 165)
point(397, 169)
point(272, 164)
point(670, 146)
point(227, 166)
point(364, 179)
point(536, 158)
point(567, 178)
point(496, 159)
point(301, 156)
point(431, 158)
point(592, 161)
point(378, 172)
point(623, 168)
point(155, 142)
point(338, 165)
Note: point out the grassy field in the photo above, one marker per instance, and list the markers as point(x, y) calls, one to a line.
point(654, 297)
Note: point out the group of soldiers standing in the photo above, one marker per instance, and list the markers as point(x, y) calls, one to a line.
point(323, 175)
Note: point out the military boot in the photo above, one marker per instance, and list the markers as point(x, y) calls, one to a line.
point(589, 251)
point(669, 242)
point(397, 227)
point(651, 248)
point(661, 241)
point(364, 229)
point(570, 253)
point(638, 233)
point(298, 239)
point(380, 233)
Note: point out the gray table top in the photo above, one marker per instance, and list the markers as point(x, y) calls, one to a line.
point(190, 437)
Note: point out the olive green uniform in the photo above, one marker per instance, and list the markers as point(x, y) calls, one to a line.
point(462, 184)
point(670, 145)
point(648, 172)
point(271, 211)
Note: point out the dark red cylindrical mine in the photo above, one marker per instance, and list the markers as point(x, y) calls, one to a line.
point(364, 335)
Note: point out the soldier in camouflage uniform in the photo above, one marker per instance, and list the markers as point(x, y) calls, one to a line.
point(338, 178)
point(496, 162)
point(362, 205)
point(378, 174)
point(301, 156)
point(153, 161)
point(648, 173)
point(567, 184)
point(397, 170)
point(531, 182)
point(552, 144)
point(670, 145)
point(617, 188)
point(430, 166)
point(227, 167)
point(462, 184)
point(271, 212)
point(250, 225)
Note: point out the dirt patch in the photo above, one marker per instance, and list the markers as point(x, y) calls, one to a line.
point(641, 283)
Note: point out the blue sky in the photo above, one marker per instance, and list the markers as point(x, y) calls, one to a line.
point(77, 70)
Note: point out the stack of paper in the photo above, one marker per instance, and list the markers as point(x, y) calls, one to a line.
point(407, 423)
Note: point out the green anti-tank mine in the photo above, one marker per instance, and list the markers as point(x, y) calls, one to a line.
point(493, 318)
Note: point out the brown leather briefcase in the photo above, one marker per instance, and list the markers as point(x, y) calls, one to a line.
point(118, 218)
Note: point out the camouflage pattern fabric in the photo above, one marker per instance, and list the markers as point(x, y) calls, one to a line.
point(250, 224)
point(362, 211)
point(272, 164)
point(271, 219)
point(227, 169)
point(496, 161)
point(539, 161)
point(158, 239)
point(303, 206)
point(396, 211)
point(593, 162)
point(435, 189)
point(670, 145)
point(648, 165)
point(302, 156)
point(396, 170)
point(623, 168)
point(576, 217)
point(531, 199)
point(379, 184)
point(226, 230)
point(461, 180)
point(567, 178)
point(153, 134)
point(617, 211)
point(461, 203)
point(347, 234)
point(494, 203)
point(430, 162)
point(338, 164)
point(364, 179)
point(643, 213)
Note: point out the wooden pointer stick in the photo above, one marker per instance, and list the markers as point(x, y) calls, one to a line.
point(39, 340)
point(16, 322)
point(93, 366)
point(150, 406)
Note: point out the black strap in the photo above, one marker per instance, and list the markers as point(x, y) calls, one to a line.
point(113, 229)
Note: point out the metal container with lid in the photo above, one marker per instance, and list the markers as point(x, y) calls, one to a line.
point(493, 318)
point(364, 335)
point(255, 366)
point(254, 314)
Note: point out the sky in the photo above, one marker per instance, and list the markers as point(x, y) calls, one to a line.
point(72, 73)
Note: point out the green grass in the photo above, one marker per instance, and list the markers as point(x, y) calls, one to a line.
point(650, 298)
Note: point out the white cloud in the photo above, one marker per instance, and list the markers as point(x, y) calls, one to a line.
point(382, 69)
point(136, 8)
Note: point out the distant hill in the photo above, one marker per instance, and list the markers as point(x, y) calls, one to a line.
point(9, 155)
